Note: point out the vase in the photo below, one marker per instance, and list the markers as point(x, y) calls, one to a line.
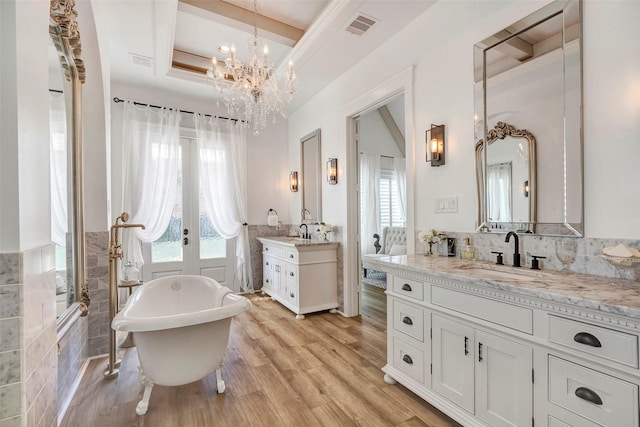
point(429, 251)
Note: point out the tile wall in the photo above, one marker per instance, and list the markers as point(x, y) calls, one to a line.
point(587, 260)
point(28, 341)
point(97, 272)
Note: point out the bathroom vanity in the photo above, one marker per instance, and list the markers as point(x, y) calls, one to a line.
point(301, 274)
point(496, 345)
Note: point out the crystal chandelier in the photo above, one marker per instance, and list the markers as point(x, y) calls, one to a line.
point(251, 90)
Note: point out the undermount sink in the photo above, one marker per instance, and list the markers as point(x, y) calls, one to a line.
point(503, 272)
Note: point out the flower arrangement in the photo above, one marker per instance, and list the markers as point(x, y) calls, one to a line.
point(430, 236)
point(323, 229)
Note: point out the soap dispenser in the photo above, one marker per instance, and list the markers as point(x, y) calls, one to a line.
point(468, 252)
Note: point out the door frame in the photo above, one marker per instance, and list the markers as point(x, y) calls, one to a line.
point(374, 98)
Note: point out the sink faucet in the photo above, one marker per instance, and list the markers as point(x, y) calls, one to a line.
point(306, 234)
point(516, 252)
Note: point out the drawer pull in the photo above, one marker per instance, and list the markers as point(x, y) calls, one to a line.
point(291, 274)
point(290, 255)
point(266, 249)
point(587, 339)
point(267, 262)
point(407, 359)
point(291, 295)
point(406, 287)
point(588, 395)
point(407, 320)
point(466, 343)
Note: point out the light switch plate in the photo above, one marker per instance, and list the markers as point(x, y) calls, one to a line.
point(446, 205)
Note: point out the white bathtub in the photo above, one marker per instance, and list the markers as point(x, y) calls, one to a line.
point(181, 328)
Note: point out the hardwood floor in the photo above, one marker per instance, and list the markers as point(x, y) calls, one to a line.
point(320, 371)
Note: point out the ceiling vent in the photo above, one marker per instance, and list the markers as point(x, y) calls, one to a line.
point(144, 61)
point(360, 25)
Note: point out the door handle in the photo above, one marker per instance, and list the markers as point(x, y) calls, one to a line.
point(185, 241)
point(466, 344)
point(479, 352)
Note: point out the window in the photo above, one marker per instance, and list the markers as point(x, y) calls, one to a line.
point(390, 215)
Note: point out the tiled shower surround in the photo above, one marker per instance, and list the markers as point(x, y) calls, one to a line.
point(588, 259)
point(28, 344)
point(97, 271)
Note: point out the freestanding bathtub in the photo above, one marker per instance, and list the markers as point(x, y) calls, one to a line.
point(181, 327)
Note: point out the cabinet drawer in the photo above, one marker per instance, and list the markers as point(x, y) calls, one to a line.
point(276, 251)
point(291, 272)
point(408, 319)
point(600, 398)
point(408, 287)
point(292, 256)
point(606, 343)
point(511, 316)
point(409, 359)
point(291, 294)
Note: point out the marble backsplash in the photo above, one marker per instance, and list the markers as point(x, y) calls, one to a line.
point(587, 258)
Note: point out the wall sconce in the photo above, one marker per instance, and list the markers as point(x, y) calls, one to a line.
point(435, 145)
point(293, 181)
point(526, 188)
point(332, 171)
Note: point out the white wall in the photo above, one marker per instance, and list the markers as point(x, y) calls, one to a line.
point(440, 43)
point(375, 137)
point(24, 185)
point(267, 162)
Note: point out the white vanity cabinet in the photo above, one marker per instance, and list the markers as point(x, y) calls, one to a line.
point(485, 374)
point(300, 275)
point(489, 356)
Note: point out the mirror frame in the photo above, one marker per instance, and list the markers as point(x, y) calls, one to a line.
point(558, 7)
point(318, 183)
point(501, 131)
point(64, 32)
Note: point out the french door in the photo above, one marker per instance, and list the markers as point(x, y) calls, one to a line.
point(190, 245)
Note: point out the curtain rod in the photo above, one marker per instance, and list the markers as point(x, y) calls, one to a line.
point(118, 100)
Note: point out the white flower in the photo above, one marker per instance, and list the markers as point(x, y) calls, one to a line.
point(326, 228)
point(429, 236)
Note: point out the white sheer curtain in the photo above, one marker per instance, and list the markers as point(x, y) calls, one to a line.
point(222, 154)
point(151, 153)
point(58, 165)
point(499, 191)
point(399, 164)
point(369, 201)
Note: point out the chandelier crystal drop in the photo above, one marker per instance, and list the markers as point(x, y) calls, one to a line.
point(252, 90)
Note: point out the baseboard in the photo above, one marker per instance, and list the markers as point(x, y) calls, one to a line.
point(62, 409)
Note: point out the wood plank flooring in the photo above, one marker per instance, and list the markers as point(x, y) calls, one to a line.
point(320, 371)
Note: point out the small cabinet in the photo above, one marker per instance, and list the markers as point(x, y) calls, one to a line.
point(485, 374)
point(302, 277)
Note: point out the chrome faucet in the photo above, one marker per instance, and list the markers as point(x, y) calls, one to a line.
point(516, 252)
point(306, 234)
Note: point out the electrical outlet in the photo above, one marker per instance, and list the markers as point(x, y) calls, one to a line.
point(279, 225)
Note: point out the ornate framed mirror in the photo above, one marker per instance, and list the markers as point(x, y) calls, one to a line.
point(511, 187)
point(66, 75)
point(529, 76)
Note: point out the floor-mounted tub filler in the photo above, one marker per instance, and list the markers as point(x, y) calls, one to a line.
point(181, 326)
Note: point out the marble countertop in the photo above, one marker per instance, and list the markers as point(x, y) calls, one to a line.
point(615, 296)
point(295, 241)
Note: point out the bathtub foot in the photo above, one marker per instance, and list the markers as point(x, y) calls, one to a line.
point(299, 316)
point(333, 311)
point(143, 405)
point(219, 382)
